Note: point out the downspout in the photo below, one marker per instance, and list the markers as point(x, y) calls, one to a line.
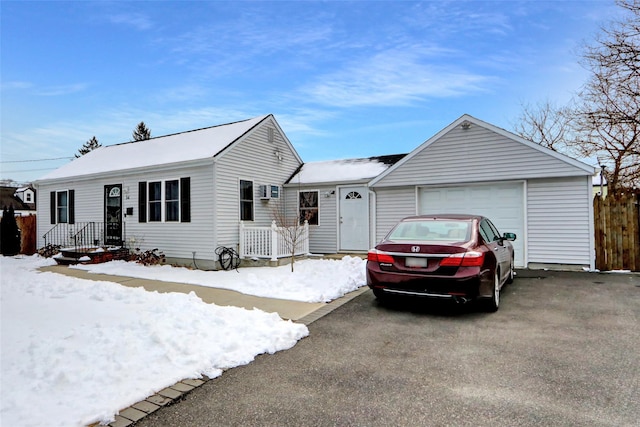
point(374, 223)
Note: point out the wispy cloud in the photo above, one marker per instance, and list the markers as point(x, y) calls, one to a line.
point(16, 85)
point(62, 89)
point(392, 78)
point(136, 20)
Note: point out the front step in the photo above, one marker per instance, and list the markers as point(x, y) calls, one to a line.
point(73, 256)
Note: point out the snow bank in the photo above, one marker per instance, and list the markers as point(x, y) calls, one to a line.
point(75, 351)
point(311, 281)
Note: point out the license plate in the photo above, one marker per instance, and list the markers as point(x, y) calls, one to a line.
point(415, 262)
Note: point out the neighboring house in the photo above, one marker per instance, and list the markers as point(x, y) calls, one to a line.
point(184, 194)
point(23, 199)
point(187, 193)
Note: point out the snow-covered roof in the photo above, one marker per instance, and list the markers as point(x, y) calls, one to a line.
point(180, 147)
point(347, 170)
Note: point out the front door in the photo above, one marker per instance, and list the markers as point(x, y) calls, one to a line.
point(354, 219)
point(113, 214)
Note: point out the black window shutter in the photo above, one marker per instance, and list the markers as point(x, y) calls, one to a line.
point(72, 202)
point(142, 201)
point(52, 207)
point(185, 199)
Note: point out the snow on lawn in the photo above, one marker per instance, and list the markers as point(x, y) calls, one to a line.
point(311, 281)
point(75, 351)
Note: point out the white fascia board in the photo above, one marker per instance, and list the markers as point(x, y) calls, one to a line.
point(363, 182)
point(127, 172)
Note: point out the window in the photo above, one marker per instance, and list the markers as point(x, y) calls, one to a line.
point(246, 200)
point(172, 200)
point(29, 197)
point(308, 207)
point(168, 201)
point(62, 206)
point(353, 195)
point(275, 192)
point(488, 232)
point(155, 201)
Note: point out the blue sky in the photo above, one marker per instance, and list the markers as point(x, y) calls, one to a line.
point(343, 79)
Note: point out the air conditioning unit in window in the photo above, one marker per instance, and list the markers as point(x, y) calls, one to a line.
point(269, 192)
point(265, 192)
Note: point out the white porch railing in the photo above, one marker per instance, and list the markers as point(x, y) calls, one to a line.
point(273, 242)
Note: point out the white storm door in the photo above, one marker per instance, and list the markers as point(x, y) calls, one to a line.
point(353, 218)
point(502, 203)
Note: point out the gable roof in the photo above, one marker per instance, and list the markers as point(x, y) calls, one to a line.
point(343, 171)
point(589, 170)
point(187, 146)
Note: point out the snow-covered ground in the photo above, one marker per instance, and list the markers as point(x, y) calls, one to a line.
point(75, 352)
point(311, 281)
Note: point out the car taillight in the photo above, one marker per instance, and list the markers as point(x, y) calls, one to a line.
point(464, 259)
point(376, 256)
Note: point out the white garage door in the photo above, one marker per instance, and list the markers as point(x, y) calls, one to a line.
point(503, 204)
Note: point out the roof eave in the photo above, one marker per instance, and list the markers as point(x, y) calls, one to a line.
point(130, 171)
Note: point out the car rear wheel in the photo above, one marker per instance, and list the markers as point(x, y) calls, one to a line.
point(491, 304)
point(379, 293)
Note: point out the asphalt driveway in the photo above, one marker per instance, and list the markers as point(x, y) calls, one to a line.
point(563, 350)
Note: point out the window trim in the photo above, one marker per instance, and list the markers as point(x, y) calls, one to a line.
point(241, 200)
point(165, 201)
point(183, 201)
point(317, 208)
point(277, 187)
point(54, 207)
point(155, 202)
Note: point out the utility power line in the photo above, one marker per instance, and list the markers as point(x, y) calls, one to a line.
point(36, 160)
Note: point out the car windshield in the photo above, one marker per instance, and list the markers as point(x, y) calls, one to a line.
point(432, 230)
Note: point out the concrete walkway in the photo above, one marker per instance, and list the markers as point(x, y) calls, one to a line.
point(302, 312)
point(293, 310)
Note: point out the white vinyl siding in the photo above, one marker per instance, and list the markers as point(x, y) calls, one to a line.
point(558, 220)
point(256, 159)
point(174, 239)
point(323, 238)
point(480, 152)
point(393, 204)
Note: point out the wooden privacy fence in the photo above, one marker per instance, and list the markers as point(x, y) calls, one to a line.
point(617, 232)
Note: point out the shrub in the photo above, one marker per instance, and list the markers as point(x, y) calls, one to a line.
point(9, 233)
point(49, 250)
point(150, 257)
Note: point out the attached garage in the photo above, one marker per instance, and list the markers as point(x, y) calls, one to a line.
point(474, 167)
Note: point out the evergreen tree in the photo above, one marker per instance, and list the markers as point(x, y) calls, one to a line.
point(141, 132)
point(10, 234)
point(88, 146)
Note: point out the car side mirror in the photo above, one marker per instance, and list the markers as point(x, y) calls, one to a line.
point(509, 236)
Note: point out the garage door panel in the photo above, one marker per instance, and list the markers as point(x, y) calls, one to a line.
point(503, 204)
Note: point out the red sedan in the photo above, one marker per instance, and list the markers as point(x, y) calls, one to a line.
point(458, 257)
